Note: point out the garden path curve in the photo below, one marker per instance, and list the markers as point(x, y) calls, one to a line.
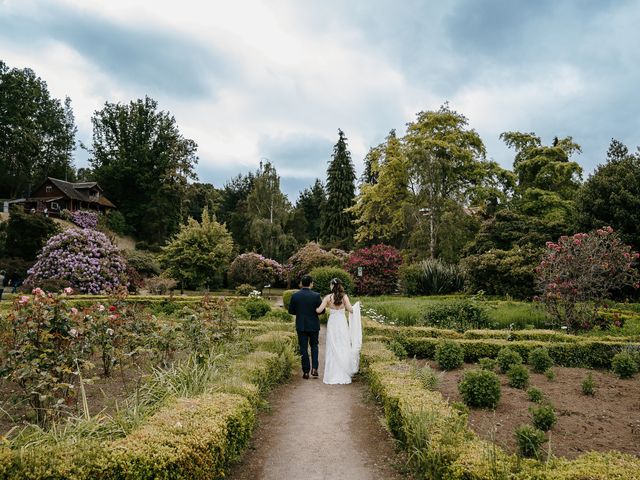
point(316, 432)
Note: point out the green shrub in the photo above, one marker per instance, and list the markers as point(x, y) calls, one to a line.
point(428, 377)
point(143, 262)
point(507, 358)
point(535, 395)
point(278, 315)
point(543, 417)
point(588, 385)
point(26, 234)
point(410, 279)
point(480, 388)
point(518, 376)
point(286, 298)
point(398, 349)
point(322, 277)
point(431, 277)
point(487, 363)
point(550, 374)
point(114, 220)
point(449, 355)
point(540, 360)
point(244, 289)
point(624, 365)
point(457, 315)
point(529, 440)
point(256, 307)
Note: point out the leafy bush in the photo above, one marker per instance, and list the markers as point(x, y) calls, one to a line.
point(256, 307)
point(518, 377)
point(624, 365)
point(27, 234)
point(507, 358)
point(550, 374)
point(449, 355)
point(431, 277)
point(529, 440)
point(278, 315)
point(540, 360)
point(588, 385)
point(379, 264)
point(83, 257)
point(306, 259)
point(535, 395)
point(543, 417)
point(457, 315)
point(160, 285)
point(143, 262)
point(322, 276)
point(586, 267)
point(114, 220)
point(254, 269)
point(487, 363)
point(286, 298)
point(480, 388)
point(428, 377)
point(244, 289)
point(398, 349)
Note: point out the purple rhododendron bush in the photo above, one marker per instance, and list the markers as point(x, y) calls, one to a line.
point(85, 218)
point(84, 258)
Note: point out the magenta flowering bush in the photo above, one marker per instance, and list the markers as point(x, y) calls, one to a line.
point(85, 218)
point(578, 273)
point(83, 257)
point(255, 270)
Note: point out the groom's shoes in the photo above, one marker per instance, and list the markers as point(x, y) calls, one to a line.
point(314, 372)
point(305, 375)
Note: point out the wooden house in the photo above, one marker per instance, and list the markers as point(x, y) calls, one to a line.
point(56, 195)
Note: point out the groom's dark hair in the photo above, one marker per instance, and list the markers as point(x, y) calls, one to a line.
point(306, 280)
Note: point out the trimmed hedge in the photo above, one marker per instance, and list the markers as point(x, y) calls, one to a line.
point(424, 422)
point(189, 438)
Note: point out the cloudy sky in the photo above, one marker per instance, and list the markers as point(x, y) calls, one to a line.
point(275, 79)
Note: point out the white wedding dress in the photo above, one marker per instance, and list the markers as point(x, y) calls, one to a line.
point(342, 348)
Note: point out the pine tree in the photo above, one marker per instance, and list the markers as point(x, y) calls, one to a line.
point(338, 226)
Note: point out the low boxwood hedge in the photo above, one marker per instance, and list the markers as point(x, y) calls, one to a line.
point(442, 446)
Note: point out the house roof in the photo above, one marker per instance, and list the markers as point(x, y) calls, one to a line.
point(75, 191)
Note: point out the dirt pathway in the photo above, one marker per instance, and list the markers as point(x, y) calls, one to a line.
point(317, 431)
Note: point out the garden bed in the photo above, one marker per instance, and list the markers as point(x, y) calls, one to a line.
point(609, 420)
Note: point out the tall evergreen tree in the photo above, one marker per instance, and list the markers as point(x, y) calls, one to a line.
point(310, 209)
point(338, 225)
point(233, 208)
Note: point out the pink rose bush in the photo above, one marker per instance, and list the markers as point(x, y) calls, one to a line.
point(578, 274)
point(83, 257)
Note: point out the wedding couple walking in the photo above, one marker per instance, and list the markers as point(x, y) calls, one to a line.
point(343, 337)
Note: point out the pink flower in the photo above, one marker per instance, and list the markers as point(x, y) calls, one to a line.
point(74, 310)
point(38, 291)
point(68, 290)
point(113, 317)
point(100, 307)
point(23, 300)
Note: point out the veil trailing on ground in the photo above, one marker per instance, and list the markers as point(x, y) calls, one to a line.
point(355, 334)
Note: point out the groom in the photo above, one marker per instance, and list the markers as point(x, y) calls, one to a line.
point(303, 305)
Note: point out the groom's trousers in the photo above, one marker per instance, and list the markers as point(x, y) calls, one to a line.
point(306, 339)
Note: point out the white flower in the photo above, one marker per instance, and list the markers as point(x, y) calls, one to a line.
point(109, 331)
point(73, 332)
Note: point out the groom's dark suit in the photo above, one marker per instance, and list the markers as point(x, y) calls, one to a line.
point(303, 305)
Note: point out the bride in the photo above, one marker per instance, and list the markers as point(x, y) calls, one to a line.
point(343, 340)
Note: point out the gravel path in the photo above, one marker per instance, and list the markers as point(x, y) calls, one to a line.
point(317, 431)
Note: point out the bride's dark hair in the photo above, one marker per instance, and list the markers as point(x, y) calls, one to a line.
point(337, 291)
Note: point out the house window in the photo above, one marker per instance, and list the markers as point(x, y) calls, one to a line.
point(55, 206)
point(48, 188)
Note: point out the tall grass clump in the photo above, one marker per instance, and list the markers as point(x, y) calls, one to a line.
point(431, 277)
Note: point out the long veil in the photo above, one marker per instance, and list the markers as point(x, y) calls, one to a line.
point(355, 334)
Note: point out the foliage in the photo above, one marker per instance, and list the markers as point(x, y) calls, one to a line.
point(611, 195)
point(518, 376)
point(588, 385)
point(535, 395)
point(142, 160)
point(529, 440)
point(160, 285)
point(144, 263)
point(379, 264)
point(550, 374)
point(578, 273)
point(540, 360)
point(430, 277)
point(256, 307)
point(397, 349)
point(114, 221)
point(199, 253)
point(427, 376)
point(624, 364)
point(83, 257)
point(507, 358)
point(338, 222)
point(244, 289)
point(37, 131)
point(286, 298)
point(487, 363)
point(449, 355)
point(306, 259)
point(85, 218)
point(311, 206)
point(254, 269)
point(480, 388)
point(26, 234)
point(458, 315)
point(543, 417)
point(322, 277)
point(199, 196)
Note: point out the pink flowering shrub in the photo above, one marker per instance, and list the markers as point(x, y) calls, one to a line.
point(255, 270)
point(578, 273)
point(85, 218)
point(84, 258)
point(380, 265)
point(309, 257)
